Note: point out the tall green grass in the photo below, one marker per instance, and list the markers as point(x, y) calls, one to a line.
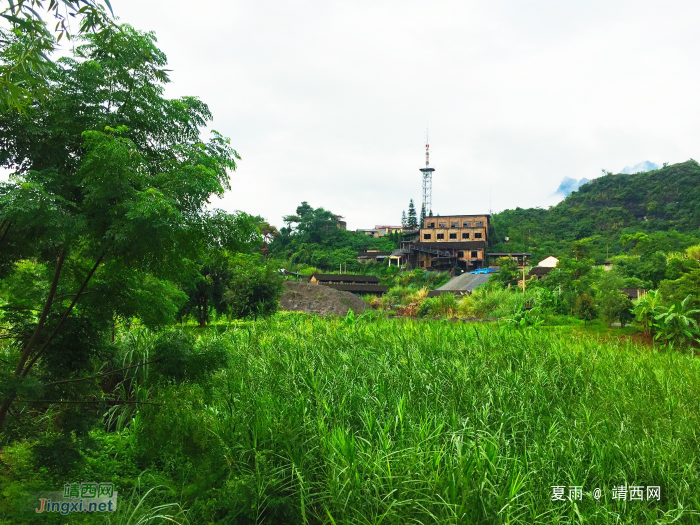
point(394, 422)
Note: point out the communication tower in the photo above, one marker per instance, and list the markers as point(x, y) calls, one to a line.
point(427, 179)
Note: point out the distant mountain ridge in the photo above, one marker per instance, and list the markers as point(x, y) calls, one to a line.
point(606, 208)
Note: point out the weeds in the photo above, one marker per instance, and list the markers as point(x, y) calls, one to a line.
point(346, 421)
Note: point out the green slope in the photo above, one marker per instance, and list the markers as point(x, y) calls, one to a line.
point(605, 209)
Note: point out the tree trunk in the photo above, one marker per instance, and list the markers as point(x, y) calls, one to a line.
point(203, 314)
point(22, 370)
point(3, 411)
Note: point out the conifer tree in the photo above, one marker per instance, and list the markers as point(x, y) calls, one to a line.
point(404, 220)
point(422, 215)
point(412, 219)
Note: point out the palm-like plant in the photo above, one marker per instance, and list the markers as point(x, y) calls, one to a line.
point(675, 325)
point(645, 310)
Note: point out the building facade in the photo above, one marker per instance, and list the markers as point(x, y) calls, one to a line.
point(455, 228)
point(452, 240)
point(381, 231)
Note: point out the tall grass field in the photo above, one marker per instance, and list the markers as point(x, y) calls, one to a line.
point(356, 421)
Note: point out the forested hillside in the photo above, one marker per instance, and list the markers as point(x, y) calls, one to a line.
point(606, 209)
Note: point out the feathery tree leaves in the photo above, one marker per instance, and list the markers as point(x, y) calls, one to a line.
point(24, 60)
point(106, 208)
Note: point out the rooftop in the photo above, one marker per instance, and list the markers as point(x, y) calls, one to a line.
point(448, 215)
point(358, 288)
point(345, 278)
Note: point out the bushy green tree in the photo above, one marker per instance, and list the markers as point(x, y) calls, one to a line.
point(110, 190)
point(569, 280)
point(688, 285)
point(205, 292)
point(312, 237)
point(508, 272)
point(253, 289)
point(614, 307)
point(585, 308)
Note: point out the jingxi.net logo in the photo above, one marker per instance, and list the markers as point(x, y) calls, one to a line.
point(79, 497)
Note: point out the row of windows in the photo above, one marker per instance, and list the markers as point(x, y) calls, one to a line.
point(455, 224)
point(465, 235)
point(473, 255)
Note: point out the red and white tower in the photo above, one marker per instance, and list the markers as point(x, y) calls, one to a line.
point(427, 180)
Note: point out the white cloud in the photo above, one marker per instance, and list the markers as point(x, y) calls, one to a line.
point(328, 101)
point(641, 167)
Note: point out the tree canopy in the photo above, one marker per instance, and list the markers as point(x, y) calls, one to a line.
point(27, 47)
point(314, 237)
point(106, 211)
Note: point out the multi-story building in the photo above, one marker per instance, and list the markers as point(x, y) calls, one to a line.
point(452, 240)
point(381, 231)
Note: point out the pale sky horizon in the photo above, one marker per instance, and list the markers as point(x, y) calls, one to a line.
point(328, 102)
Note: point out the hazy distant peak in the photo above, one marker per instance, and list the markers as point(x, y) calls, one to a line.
point(641, 167)
point(568, 185)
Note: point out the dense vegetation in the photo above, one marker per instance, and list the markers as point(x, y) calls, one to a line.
point(606, 209)
point(367, 421)
point(313, 237)
point(103, 224)
point(140, 342)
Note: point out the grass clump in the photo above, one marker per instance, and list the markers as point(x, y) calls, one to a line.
point(330, 421)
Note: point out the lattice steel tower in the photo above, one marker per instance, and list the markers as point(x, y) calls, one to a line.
point(427, 180)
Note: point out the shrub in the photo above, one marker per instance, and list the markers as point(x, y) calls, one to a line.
point(585, 308)
point(675, 326)
point(645, 309)
point(615, 305)
point(254, 290)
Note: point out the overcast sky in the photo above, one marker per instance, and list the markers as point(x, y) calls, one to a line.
point(328, 101)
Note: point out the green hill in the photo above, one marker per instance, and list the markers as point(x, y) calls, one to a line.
point(664, 202)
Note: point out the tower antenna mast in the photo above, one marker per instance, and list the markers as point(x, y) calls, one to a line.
point(427, 178)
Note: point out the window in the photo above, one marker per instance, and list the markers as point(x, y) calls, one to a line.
point(475, 255)
point(426, 236)
point(442, 225)
point(467, 225)
point(440, 235)
point(477, 236)
point(453, 235)
point(460, 254)
point(465, 236)
point(431, 225)
point(422, 264)
point(455, 225)
point(479, 224)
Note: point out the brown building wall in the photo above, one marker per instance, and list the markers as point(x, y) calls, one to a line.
point(453, 228)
